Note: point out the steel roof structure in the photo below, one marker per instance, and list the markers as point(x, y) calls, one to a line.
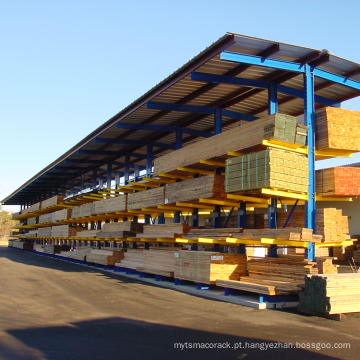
point(236, 79)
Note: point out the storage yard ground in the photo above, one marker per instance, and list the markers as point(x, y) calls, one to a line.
point(53, 309)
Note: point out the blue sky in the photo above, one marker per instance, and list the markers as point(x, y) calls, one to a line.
point(68, 66)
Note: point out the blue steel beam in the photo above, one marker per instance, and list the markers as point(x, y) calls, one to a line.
point(260, 61)
point(102, 162)
point(164, 128)
point(149, 159)
point(110, 153)
point(180, 107)
point(200, 110)
point(338, 79)
point(132, 142)
point(309, 117)
point(272, 98)
point(221, 79)
point(218, 121)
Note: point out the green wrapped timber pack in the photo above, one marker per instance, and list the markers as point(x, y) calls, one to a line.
point(271, 168)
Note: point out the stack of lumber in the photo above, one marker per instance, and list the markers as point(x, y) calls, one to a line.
point(206, 267)
point(133, 259)
point(65, 231)
point(52, 249)
point(50, 217)
point(208, 186)
point(80, 253)
point(298, 218)
point(105, 257)
point(343, 253)
point(16, 214)
point(247, 137)
point(21, 245)
point(232, 222)
point(159, 262)
point(118, 203)
point(38, 248)
point(331, 293)
point(62, 215)
point(301, 133)
point(281, 268)
point(145, 199)
point(31, 221)
point(75, 212)
point(357, 256)
point(164, 231)
point(87, 209)
point(330, 223)
point(35, 207)
point(325, 265)
point(86, 233)
point(338, 181)
point(270, 168)
point(52, 201)
point(44, 232)
point(337, 128)
point(321, 251)
point(273, 276)
point(31, 233)
point(218, 234)
point(293, 234)
point(119, 230)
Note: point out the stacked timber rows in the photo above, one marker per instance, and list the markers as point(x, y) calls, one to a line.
point(257, 168)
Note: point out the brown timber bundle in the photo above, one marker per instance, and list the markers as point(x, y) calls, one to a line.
point(31, 221)
point(158, 262)
point(357, 256)
point(105, 257)
point(219, 234)
point(86, 233)
point(270, 168)
point(87, 209)
point(133, 259)
point(46, 218)
point(331, 224)
point(273, 127)
point(337, 128)
point(325, 265)
point(52, 201)
point(65, 231)
point(206, 267)
point(44, 232)
point(80, 253)
point(21, 245)
point(118, 203)
point(331, 293)
point(274, 276)
point(232, 222)
point(322, 251)
point(75, 212)
point(62, 214)
point(147, 198)
point(120, 230)
point(338, 181)
point(164, 230)
point(203, 187)
point(35, 207)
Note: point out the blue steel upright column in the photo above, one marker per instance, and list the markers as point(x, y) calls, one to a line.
point(272, 208)
point(178, 145)
point(217, 130)
point(309, 117)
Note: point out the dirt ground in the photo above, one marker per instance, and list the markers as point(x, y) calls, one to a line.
point(52, 309)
